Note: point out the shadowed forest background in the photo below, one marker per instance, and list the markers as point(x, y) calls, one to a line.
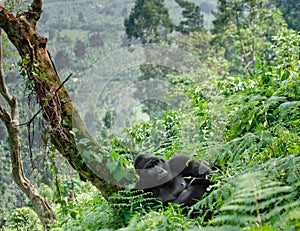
point(226, 91)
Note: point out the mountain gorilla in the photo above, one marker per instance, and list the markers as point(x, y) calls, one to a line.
point(179, 180)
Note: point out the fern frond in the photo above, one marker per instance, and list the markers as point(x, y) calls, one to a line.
point(255, 199)
point(241, 220)
point(278, 209)
point(288, 110)
point(274, 101)
point(133, 200)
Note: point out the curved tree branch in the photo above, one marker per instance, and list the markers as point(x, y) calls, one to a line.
point(11, 121)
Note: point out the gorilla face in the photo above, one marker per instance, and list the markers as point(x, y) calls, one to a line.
point(153, 171)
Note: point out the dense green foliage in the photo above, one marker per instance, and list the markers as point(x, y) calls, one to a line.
point(24, 219)
point(244, 29)
point(237, 109)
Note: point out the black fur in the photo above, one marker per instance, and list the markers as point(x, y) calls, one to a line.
point(179, 180)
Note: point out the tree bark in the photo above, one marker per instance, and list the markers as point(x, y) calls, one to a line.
point(55, 102)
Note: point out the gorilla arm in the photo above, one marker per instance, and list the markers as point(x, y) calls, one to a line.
point(170, 191)
point(193, 192)
point(187, 167)
point(195, 173)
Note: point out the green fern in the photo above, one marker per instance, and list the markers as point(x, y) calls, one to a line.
point(289, 112)
point(127, 203)
point(256, 199)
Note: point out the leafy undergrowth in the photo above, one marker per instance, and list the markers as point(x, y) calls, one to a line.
point(247, 128)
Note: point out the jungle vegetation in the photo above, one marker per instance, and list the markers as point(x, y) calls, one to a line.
point(86, 86)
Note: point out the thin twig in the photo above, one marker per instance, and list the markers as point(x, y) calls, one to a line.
point(30, 121)
point(67, 79)
point(38, 112)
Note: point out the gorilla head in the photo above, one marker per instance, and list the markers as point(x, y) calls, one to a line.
point(152, 171)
